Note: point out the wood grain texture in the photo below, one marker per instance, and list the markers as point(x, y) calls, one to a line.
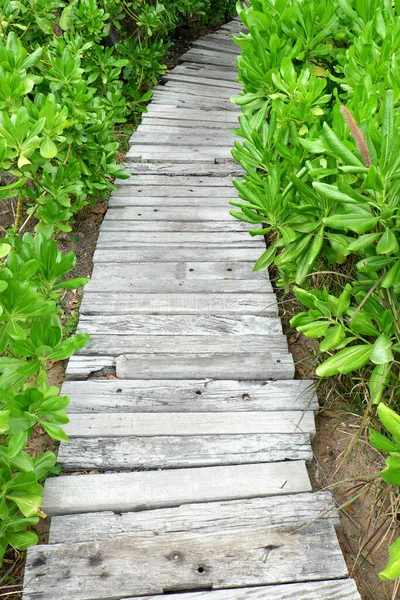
point(114, 425)
point(236, 239)
point(174, 286)
point(169, 213)
point(182, 342)
point(214, 73)
point(124, 492)
point(167, 254)
point(185, 561)
point(132, 190)
point(172, 304)
point(111, 224)
point(182, 139)
point(164, 181)
point(209, 57)
point(183, 113)
point(343, 589)
point(235, 514)
point(179, 451)
point(185, 77)
point(205, 395)
point(169, 169)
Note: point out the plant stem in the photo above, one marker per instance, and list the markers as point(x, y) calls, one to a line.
point(18, 214)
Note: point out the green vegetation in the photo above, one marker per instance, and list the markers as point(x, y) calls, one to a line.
point(321, 152)
point(71, 73)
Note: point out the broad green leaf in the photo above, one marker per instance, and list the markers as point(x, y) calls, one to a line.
point(48, 149)
point(388, 243)
point(378, 381)
point(22, 540)
point(66, 348)
point(345, 361)
point(67, 17)
point(4, 250)
point(265, 259)
point(334, 336)
point(381, 442)
point(382, 350)
point(28, 504)
point(392, 570)
point(390, 420)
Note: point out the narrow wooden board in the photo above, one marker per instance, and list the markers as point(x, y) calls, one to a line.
point(173, 286)
point(117, 425)
point(170, 304)
point(217, 45)
point(342, 589)
point(235, 239)
point(125, 492)
point(183, 139)
point(214, 365)
point(170, 214)
point(213, 73)
point(117, 345)
point(198, 80)
point(192, 114)
point(109, 396)
point(184, 561)
point(182, 366)
point(167, 226)
point(154, 201)
point(177, 181)
point(209, 57)
point(153, 123)
point(235, 514)
point(172, 452)
point(169, 99)
point(203, 91)
point(162, 152)
point(133, 190)
point(168, 254)
point(188, 271)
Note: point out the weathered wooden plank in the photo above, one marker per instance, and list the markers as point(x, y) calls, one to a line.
point(165, 98)
point(209, 57)
point(161, 124)
point(202, 91)
point(82, 367)
point(188, 169)
point(154, 201)
point(174, 226)
point(170, 214)
point(185, 129)
point(117, 425)
point(143, 137)
point(177, 181)
point(172, 452)
point(171, 191)
point(189, 395)
point(218, 74)
point(173, 286)
point(162, 152)
point(191, 114)
point(236, 239)
point(198, 80)
point(184, 366)
point(115, 345)
point(342, 589)
point(184, 561)
point(171, 254)
point(124, 492)
point(217, 45)
point(122, 304)
point(190, 271)
point(235, 514)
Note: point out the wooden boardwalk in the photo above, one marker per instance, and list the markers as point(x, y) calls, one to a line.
point(189, 436)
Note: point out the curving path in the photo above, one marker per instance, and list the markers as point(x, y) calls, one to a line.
point(189, 436)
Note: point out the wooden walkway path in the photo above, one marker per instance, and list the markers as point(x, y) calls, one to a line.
point(189, 436)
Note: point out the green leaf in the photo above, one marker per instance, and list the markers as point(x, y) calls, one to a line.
point(54, 431)
point(314, 330)
point(389, 419)
point(28, 504)
point(67, 17)
point(48, 149)
point(378, 381)
point(72, 284)
point(334, 336)
point(382, 350)
point(22, 540)
point(345, 361)
point(388, 243)
point(392, 570)
point(332, 193)
point(69, 346)
point(4, 250)
point(381, 442)
point(265, 259)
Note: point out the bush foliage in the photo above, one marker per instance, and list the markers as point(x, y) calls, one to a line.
point(69, 73)
point(321, 153)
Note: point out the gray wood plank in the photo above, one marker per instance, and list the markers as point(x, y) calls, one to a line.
point(170, 214)
point(209, 57)
point(117, 425)
point(206, 395)
point(185, 366)
point(177, 181)
point(217, 45)
point(161, 124)
point(176, 100)
point(188, 169)
point(237, 239)
point(162, 152)
point(184, 561)
point(172, 452)
point(236, 514)
point(133, 190)
point(171, 254)
point(182, 271)
point(122, 304)
point(202, 91)
point(172, 286)
point(218, 74)
point(198, 80)
point(342, 589)
point(156, 202)
point(184, 128)
point(116, 345)
point(168, 225)
point(143, 137)
point(125, 492)
point(192, 114)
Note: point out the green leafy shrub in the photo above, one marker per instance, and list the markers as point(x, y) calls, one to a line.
point(321, 153)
